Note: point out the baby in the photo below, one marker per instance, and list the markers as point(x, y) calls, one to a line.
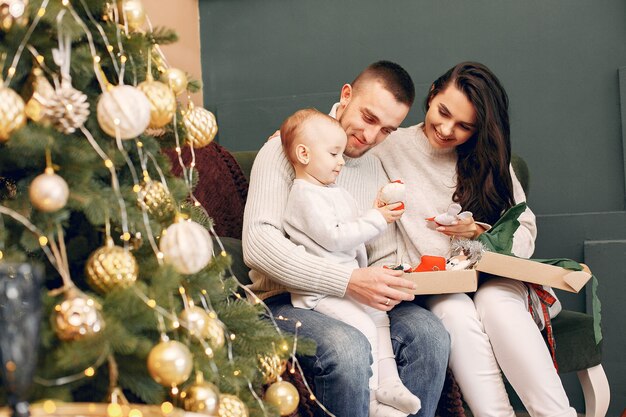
point(324, 218)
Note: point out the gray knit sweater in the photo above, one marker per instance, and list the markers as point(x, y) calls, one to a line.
point(430, 178)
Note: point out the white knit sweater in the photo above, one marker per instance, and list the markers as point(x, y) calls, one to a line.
point(430, 178)
point(276, 262)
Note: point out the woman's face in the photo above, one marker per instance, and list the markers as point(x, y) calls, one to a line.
point(450, 119)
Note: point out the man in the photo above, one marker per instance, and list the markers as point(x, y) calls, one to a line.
point(370, 108)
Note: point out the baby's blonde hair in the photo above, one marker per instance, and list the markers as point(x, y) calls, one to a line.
point(293, 128)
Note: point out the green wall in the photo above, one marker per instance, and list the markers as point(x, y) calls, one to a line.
point(558, 59)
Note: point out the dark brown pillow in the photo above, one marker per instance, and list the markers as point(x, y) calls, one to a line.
point(222, 188)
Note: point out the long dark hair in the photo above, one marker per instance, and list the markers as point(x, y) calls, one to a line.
point(484, 184)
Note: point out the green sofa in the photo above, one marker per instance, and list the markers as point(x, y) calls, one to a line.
point(576, 350)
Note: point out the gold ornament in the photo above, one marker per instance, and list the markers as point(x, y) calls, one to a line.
point(77, 316)
point(200, 324)
point(12, 115)
point(48, 192)
point(42, 92)
point(13, 12)
point(111, 267)
point(272, 367)
point(201, 126)
point(232, 406)
point(176, 79)
point(170, 363)
point(131, 12)
point(162, 102)
point(284, 396)
point(124, 109)
point(201, 397)
point(156, 200)
point(187, 246)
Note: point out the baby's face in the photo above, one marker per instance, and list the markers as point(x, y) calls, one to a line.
point(326, 142)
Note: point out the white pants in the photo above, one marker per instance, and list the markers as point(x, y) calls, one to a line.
point(496, 328)
point(374, 324)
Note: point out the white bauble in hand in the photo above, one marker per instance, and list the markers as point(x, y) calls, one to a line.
point(394, 192)
point(187, 246)
point(48, 192)
point(126, 109)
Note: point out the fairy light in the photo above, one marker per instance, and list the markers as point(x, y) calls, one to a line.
point(65, 2)
point(49, 406)
point(174, 390)
point(41, 11)
point(43, 241)
point(11, 71)
point(108, 163)
point(114, 410)
point(160, 255)
point(1, 255)
point(40, 59)
point(181, 290)
point(89, 372)
point(176, 324)
point(232, 336)
point(110, 48)
point(209, 352)
point(96, 59)
point(135, 413)
point(136, 188)
point(151, 303)
point(237, 372)
point(140, 144)
point(167, 407)
point(123, 59)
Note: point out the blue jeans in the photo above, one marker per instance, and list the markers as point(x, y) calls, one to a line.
point(341, 366)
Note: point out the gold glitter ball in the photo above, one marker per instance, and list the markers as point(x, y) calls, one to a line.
point(111, 267)
point(77, 317)
point(232, 406)
point(201, 126)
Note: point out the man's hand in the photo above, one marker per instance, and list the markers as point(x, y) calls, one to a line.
point(373, 286)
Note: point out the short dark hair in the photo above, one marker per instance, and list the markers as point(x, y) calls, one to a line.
point(394, 78)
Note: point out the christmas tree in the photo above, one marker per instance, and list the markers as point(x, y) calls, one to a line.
point(139, 303)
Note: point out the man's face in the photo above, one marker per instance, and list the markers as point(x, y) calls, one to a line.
point(368, 115)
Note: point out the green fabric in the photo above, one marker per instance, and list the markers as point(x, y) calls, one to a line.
point(575, 341)
point(245, 160)
point(499, 239)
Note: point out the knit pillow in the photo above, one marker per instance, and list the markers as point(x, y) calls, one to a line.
point(222, 188)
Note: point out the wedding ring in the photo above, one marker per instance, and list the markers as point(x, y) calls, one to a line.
point(388, 301)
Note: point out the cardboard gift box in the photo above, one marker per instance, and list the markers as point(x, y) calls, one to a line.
point(448, 282)
point(443, 282)
point(533, 272)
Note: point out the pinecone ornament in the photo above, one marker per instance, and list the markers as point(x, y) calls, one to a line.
point(67, 109)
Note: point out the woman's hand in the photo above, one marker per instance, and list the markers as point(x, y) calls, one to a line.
point(464, 228)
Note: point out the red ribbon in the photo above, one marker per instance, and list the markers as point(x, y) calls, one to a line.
point(547, 300)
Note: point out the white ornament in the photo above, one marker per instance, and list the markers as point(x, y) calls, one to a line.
point(393, 192)
point(187, 246)
point(452, 215)
point(124, 109)
point(48, 192)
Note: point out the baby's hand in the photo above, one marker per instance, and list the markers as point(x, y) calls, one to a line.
point(391, 212)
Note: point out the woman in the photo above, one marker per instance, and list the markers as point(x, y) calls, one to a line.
point(461, 153)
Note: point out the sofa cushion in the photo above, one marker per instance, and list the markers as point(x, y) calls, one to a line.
point(222, 187)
